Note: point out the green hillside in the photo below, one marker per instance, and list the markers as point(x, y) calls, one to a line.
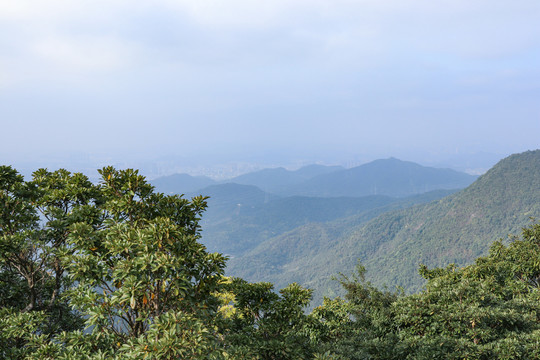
point(299, 255)
point(228, 200)
point(455, 229)
point(244, 226)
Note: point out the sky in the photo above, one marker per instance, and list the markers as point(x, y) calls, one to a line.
point(187, 83)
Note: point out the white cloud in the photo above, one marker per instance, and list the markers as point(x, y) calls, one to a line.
point(60, 10)
point(234, 13)
point(464, 28)
point(82, 53)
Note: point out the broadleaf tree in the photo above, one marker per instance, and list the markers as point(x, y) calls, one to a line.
point(119, 255)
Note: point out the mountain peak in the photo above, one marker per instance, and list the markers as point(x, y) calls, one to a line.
point(391, 177)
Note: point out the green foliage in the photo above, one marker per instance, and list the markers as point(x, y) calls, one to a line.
point(122, 257)
point(266, 325)
point(487, 310)
point(359, 326)
point(34, 226)
point(18, 331)
point(479, 310)
point(313, 253)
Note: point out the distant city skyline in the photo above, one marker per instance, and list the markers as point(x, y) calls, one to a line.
point(209, 85)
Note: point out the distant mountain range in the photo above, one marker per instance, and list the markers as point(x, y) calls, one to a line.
point(278, 179)
point(454, 229)
point(391, 177)
point(272, 180)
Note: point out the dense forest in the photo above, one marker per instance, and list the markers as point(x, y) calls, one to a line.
point(116, 270)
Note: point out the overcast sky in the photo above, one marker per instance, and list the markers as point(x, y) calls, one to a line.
point(286, 79)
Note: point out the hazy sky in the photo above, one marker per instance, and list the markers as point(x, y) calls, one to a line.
point(290, 79)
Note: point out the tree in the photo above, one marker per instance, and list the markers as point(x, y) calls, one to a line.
point(487, 310)
point(265, 325)
point(35, 218)
point(125, 258)
point(358, 326)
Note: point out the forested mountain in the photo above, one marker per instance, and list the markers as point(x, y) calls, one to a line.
point(455, 229)
point(243, 227)
point(390, 177)
point(300, 254)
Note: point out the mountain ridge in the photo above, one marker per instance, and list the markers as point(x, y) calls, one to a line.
point(392, 177)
